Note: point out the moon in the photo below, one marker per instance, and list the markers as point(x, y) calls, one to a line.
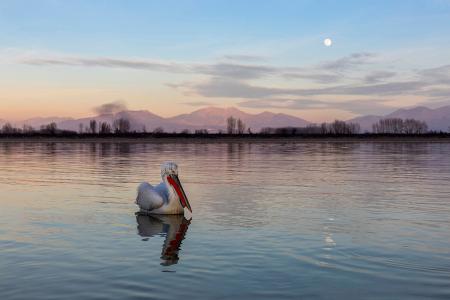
point(327, 42)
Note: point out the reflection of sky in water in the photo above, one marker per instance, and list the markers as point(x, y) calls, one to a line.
point(270, 220)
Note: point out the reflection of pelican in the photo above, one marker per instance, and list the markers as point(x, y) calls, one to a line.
point(166, 198)
point(173, 227)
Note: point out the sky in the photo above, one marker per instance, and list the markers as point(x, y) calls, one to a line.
point(67, 58)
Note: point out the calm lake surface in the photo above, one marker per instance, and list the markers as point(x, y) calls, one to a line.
point(271, 220)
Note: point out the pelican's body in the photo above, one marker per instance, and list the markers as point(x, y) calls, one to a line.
point(167, 198)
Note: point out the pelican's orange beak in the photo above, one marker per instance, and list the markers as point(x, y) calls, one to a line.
point(175, 182)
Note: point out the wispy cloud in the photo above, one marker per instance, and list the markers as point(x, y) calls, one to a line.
point(239, 66)
point(238, 89)
point(240, 71)
point(107, 63)
point(243, 57)
point(438, 75)
point(348, 62)
point(315, 76)
point(240, 77)
point(379, 76)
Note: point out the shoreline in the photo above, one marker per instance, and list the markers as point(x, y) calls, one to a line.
point(225, 139)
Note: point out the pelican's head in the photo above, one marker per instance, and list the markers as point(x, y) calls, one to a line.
point(169, 168)
point(169, 171)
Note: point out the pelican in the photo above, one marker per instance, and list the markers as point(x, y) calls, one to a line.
point(167, 198)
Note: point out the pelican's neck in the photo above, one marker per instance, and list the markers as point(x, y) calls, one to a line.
point(171, 192)
point(173, 202)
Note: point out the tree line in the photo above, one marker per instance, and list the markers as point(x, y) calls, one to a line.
point(118, 126)
point(234, 126)
point(335, 128)
point(121, 125)
point(400, 126)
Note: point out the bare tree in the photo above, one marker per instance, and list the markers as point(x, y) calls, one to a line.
point(27, 128)
point(412, 126)
point(240, 126)
point(323, 128)
point(49, 128)
point(201, 131)
point(7, 128)
point(158, 130)
point(400, 126)
point(93, 126)
point(121, 125)
point(389, 125)
point(104, 128)
point(339, 127)
point(231, 125)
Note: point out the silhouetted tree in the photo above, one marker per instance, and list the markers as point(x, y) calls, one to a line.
point(7, 128)
point(51, 128)
point(93, 126)
point(323, 128)
point(104, 128)
point(266, 130)
point(158, 130)
point(400, 126)
point(411, 126)
point(201, 131)
point(240, 126)
point(27, 128)
point(121, 125)
point(231, 125)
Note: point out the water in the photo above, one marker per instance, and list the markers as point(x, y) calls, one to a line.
point(272, 220)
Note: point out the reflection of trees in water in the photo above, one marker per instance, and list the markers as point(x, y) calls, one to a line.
point(123, 149)
point(172, 227)
point(50, 149)
point(408, 154)
point(105, 149)
point(93, 148)
point(8, 148)
point(235, 151)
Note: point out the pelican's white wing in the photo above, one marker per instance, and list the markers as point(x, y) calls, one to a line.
point(148, 198)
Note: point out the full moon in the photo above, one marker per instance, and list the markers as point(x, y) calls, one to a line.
point(327, 42)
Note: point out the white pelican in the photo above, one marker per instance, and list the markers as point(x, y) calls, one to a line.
point(173, 227)
point(167, 198)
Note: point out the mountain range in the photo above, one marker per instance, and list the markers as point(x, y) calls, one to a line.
point(211, 118)
point(214, 119)
point(437, 119)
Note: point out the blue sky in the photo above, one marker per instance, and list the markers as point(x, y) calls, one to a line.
point(66, 57)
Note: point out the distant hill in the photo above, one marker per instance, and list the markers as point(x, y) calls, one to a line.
point(37, 122)
point(215, 118)
point(211, 118)
point(437, 119)
point(138, 119)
